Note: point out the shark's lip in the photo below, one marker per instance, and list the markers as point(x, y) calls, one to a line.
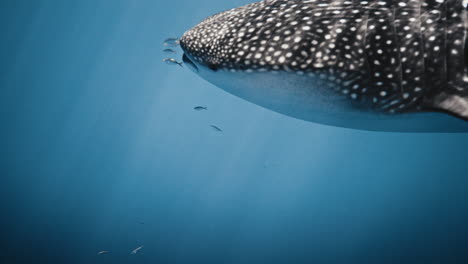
point(190, 63)
point(187, 60)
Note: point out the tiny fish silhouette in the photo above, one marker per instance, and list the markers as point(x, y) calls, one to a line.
point(216, 128)
point(172, 42)
point(102, 252)
point(169, 51)
point(199, 108)
point(136, 250)
point(172, 61)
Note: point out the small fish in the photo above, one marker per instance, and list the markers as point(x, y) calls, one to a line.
point(172, 61)
point(216, 128)
point(136, 250)
point(170, 51)
point(102, 252)
point(199, 108)
point(172, 42)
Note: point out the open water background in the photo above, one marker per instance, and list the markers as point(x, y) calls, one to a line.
point(100, 149)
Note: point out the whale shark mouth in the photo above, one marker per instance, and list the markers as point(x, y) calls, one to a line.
point(186, 59)
point(190, 63)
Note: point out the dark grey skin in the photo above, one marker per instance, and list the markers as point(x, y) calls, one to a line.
point(374, 65)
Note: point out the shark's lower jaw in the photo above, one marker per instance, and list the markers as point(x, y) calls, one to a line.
point(189, 63)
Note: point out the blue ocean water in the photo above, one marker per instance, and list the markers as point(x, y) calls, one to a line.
point(101, 150)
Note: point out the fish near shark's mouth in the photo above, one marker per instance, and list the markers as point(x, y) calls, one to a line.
point(190, 63)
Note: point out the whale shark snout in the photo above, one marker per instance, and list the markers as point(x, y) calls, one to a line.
point(374, 65)
point(210, 42)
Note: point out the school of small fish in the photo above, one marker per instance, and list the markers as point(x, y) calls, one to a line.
point(171, 42)
point(174, 42)
point(133, 252)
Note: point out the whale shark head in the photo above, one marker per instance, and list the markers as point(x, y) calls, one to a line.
point(357, 64)
point(263, 36)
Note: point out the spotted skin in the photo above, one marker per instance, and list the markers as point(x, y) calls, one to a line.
point(389, 57)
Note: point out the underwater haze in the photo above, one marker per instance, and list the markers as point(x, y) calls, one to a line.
point(105, 160)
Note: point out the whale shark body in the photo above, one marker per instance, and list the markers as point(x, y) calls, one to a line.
point(372, 65)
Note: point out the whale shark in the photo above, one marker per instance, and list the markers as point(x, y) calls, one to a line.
point(396, 66)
